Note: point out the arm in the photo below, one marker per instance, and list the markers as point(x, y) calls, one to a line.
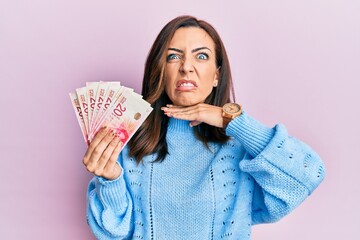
point(109, 205)
point(109, 208)
point(285, 169)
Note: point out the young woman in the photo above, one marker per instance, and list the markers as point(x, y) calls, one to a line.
point(199, 167)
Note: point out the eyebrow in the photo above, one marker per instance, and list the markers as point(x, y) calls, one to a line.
point(194, 50)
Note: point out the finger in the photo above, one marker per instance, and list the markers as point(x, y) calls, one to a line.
point(98, 151)
point(176, 111)
point(114, 156)
point(190, 115)
point(106, 156)
point(111, 165)
point(116, 172)
point(211, 115)
point(98, 137)
point(173, 108)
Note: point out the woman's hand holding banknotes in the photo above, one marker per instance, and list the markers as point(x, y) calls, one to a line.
point(102, 153)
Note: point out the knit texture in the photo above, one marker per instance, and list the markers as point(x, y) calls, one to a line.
point(258, 176)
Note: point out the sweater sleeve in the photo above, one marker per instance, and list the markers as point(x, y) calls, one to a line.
point(109, 208)
point(285, 169)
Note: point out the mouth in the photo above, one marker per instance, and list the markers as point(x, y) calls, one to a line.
point(185, 85)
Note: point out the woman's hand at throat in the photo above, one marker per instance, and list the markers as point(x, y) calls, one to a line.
point(196, 114)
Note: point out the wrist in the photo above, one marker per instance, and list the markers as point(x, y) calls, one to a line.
point(229, 112)
point(251, 133)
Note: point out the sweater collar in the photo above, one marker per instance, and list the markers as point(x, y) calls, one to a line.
point(178, 126)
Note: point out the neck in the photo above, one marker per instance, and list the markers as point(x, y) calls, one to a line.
point(179, 126)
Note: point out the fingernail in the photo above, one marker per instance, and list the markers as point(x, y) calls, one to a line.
point(190, 124)
point(104, 127)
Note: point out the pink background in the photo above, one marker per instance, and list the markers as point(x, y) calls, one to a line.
point(294, 62)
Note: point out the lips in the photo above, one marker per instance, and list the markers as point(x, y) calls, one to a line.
point(186, 85)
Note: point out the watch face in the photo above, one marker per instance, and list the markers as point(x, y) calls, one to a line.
point(232, 108)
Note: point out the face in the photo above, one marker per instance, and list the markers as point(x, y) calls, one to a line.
point(191, 71)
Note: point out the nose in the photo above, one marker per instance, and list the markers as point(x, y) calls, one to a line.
point(186, 66)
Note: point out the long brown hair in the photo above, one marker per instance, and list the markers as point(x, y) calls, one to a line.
point(151, 136)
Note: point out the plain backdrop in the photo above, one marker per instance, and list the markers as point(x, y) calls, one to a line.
point(293, 62)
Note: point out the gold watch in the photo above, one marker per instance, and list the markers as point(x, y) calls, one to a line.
point(230, 111)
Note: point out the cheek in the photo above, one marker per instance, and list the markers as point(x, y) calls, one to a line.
point(167, 90)
point(171, 70)
point(208, 77)
point(170, 76)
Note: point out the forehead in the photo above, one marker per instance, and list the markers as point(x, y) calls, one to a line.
point(191, 37)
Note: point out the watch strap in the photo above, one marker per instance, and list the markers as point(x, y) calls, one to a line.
point(226, 120)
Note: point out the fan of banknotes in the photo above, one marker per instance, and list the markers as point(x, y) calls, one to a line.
point(109, 104)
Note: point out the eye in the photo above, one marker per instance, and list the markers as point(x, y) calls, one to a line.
point(172, 57)
point(202, 56)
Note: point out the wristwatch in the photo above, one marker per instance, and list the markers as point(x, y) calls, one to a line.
point(230, 111)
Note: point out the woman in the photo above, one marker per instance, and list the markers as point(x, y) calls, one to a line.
point(199, 167)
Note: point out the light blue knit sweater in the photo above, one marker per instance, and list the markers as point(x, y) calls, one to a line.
point(258, 176)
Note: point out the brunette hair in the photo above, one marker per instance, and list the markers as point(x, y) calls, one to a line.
point(151, 136)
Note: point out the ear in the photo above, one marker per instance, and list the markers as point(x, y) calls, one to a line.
point(215, 83)
point(216, 77)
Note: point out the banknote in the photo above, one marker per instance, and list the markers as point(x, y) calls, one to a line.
point(91, 88)
point(113, 93)
point(79, 114)
point(110, 95)
point(127, 115)
point(123, 92)
point(81, 94)
point(99, 99)
point(111, 104)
